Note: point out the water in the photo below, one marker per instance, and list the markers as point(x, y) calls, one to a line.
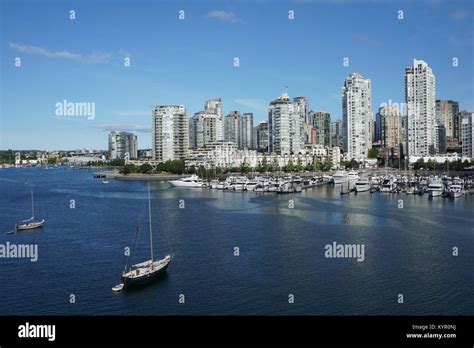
point(81, 251)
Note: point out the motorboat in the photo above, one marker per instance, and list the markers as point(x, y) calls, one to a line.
point(191, 181)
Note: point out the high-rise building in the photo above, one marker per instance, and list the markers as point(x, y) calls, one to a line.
point(357, 116)
point(232, 127)
point(322, 123)
point(169, 132)
point(310, 134)
point(246, 131)
point(379, 128)
point(301, 108)
point(440, 137)
point(336, 134)
point(239, 129)
point(447, 114)
point(261, 133)
point(467, 134)
point(206, 126)
point(420, 95)
point(214, 106)
point(388, 127)
point(121, 144)
point(284, 126)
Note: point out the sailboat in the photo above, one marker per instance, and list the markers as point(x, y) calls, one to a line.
point(144, 272)
point(30, 223)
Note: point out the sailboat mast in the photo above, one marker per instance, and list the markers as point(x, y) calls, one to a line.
point(32, 206)
point(149, 219)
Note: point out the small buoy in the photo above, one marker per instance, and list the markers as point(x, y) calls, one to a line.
point(117, 287)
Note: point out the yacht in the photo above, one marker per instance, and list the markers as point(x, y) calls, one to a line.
point(144, 272)
point(387, 185)
point(30, 223)
point(238, 184)
point(192, 181)
point(251, 185)
point(352, 175)
point(455, 190)
point(435, 188)
point(362, 185)
point(340, 177)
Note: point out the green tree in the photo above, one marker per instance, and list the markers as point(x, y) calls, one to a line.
point(289, 166)
point(117, 162)
point(299, 165)
point(264, 164)
point(316, 163)
point(145, 168)
point(327, 164)
point(373, 153)
point(419, 164)
point(353, 164)
point(128, 169)
point(52, 160)
point(275, 166)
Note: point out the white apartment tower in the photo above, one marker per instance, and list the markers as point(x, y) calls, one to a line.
point(357, 117)
point(121, 144)
point(169, 132)
point(284, 126)
point(206, 126)
point(467, 134)
point(420, 96)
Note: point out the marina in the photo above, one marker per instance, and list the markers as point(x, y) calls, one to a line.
point(346, 182)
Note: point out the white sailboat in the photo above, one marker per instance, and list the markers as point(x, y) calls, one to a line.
point(30, 223)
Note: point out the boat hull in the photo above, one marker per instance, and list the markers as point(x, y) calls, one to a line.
point(30, 226)
point(435, 193)
point(146, 279)
point(360, 188)
point(177, 183)
point(455, 194)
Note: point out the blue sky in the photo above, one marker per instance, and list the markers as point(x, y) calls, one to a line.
point(187, 61)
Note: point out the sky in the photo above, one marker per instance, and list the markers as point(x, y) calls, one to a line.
point(187, 61)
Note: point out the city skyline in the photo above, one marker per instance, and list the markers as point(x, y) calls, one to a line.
point(64, 61)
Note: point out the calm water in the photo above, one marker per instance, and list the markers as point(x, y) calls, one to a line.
point(81, 250)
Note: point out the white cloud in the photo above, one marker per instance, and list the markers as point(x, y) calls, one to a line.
point(93, 57)
point(223, 16)
point(254, 104)
point(28, 49)
point(132, 113)
point(124, 127)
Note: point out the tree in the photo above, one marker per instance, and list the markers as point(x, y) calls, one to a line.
point(354, 164)
point(244, 168)
point(419, 164)
point(299, 165)
point(275, 166)
point(316, 163)
point(145, 168)
point(264, 164)
point(52, 160)
point(373, 153)
point(289, 166)
point(117, 162)
point(327, 164)
point(128, 168)
point(345, 164)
